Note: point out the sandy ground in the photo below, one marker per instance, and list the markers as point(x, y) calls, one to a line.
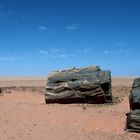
point(25, 116)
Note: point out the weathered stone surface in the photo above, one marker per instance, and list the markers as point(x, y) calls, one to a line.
point(0, 91)
point(134, 97)
point(133, 117)
point(79, 85)
point(133, 121)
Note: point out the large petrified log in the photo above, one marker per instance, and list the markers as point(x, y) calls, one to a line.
point(79, 85)
point(133, 117)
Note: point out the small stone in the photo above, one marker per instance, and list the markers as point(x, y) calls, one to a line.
point(84, 108)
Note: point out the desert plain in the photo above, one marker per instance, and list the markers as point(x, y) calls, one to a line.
point(25, 116)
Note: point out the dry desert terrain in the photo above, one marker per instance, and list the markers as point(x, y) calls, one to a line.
point(25, 116)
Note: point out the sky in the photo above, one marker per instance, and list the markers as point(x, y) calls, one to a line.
point(41, 36)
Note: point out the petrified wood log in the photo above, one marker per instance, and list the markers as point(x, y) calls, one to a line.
point(79, 85)
point(134, 97)
point(133, 121)
point(0, 91)
point(133, 117)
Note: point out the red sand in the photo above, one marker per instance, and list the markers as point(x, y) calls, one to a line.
point(25, 116)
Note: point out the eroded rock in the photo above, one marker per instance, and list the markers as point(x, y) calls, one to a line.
point(79, 85)
point(0, 91)
point(133, 117)
point(134, 97)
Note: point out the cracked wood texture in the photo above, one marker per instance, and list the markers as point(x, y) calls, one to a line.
point(133, 117)
point(79, 85)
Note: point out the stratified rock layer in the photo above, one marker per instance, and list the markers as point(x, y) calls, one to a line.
point(79, 85)
point(133, 117)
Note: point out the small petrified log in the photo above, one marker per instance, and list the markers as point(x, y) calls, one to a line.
point(133, 121)
point(134, 98)
point(133, 117)
point(79, 85)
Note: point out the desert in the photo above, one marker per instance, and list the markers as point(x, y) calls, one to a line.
point(24, 114)
point(69, 69)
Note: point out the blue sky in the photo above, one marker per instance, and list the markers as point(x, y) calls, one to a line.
point(40, 36)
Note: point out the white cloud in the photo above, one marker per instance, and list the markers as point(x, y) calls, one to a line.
point(63, 53)
point(124, 51)
point(66, 55)
point(49, 53)
point(42, 28)
point(116, 52)
point(84, 51)
point(43, 52)
point(46, 29)
point(55, 53)
point(71, 28)
point(63, 56)
point(11, 58)
point(87, 51)
point(121, 50)
point(107, 52)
